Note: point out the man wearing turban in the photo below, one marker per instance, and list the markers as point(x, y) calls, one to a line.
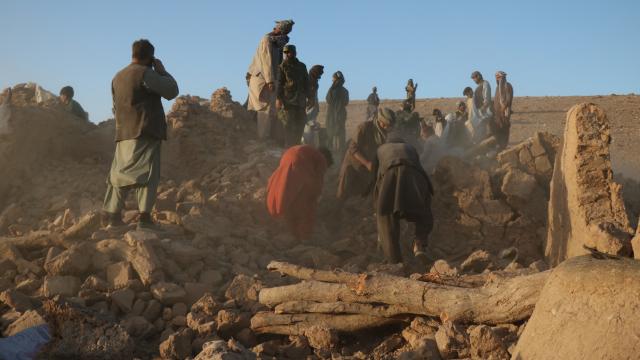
point(263, 77)
point(501, 125)
point(337, 101)
point(356, 174)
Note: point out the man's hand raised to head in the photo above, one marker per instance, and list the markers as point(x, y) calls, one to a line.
point(159, 67)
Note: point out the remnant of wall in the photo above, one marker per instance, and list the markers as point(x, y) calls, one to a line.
point(586, 206)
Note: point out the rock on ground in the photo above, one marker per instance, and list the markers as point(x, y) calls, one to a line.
point(588, 309)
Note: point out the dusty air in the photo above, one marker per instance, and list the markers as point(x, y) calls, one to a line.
point(295, 220)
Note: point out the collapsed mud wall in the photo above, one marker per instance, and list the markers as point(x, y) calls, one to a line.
point(46, 155)
point(586, 207)
point(497, 206)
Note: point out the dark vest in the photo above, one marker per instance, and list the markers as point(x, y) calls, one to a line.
point(396, 154)
point(138, 111)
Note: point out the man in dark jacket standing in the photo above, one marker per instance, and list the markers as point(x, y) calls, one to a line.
point(140, 128)
point(403, 191)
point(293, 91)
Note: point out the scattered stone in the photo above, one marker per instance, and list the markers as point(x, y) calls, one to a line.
point(168, 293)
point(452, 341)
point(485, 344)
point(232, 321)
point(444, 268)
point(124, 299)
point(179, 309)
point(135, 237)
point(153, 310)
point(477, 262)
point(298, 348)
point(321, 338)
point(137, 326)
point(8, 265)
point(84, 227)
point(92, 282)
point(73, 261)
point(518, 184)
point(243, 288)
point(194, 291)
point(211, 278)
point(177, 346)
point(167, 314)
point(119, 274)
point(138, 307)
point(179, 321)
point(16, 300)
point(248, 338)
point(387, 346)
point(219, 349)
point(61, 285)
point(28, 319)
point(29, 286)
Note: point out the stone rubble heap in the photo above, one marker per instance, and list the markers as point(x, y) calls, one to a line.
point(192, 290)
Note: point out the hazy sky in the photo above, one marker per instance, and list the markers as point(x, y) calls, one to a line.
point(557, 47)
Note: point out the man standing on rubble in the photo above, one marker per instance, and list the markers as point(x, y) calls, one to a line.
point(140, 128)
point(311, 134)
point(373, 102)
point(293, 91)
point(501, 124)
point(70, 105)
point(337, 101)
point(403, 190)
point(482, 99)
point(263, 79)
point(295, 186)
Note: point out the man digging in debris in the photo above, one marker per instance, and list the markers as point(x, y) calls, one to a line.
point(356, 173)
point(293, 91)
point(140, 128)
point(263, 78)
point(403, 190)
point(70, 105)
point(295, 186)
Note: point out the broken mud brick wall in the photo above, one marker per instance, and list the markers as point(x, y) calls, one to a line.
point(586, 207)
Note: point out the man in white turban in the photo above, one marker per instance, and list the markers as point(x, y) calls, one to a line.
point(263, 77)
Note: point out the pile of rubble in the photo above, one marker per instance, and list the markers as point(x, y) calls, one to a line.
point(193, 290)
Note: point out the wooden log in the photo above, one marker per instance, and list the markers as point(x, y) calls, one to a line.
point(301, 307)
point(297, 324)
point(502, 301)
point(304, 273)
point(33, 240)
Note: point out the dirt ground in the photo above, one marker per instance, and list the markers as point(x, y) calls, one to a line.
point(547, 113)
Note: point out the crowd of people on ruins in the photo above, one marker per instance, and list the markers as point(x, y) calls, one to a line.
point(390, 156)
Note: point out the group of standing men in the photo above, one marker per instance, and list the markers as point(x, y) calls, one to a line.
point(285, 96)
point(475, 120)
point(378, 160)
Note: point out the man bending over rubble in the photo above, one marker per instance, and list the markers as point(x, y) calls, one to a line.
point(140, 128)
point(402, 191)
point(295, 186)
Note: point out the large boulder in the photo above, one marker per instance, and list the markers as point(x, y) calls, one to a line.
point(586, 206)
point(588, 309)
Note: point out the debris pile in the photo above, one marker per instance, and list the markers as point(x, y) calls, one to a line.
point(497, 206)
point(203, 287)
